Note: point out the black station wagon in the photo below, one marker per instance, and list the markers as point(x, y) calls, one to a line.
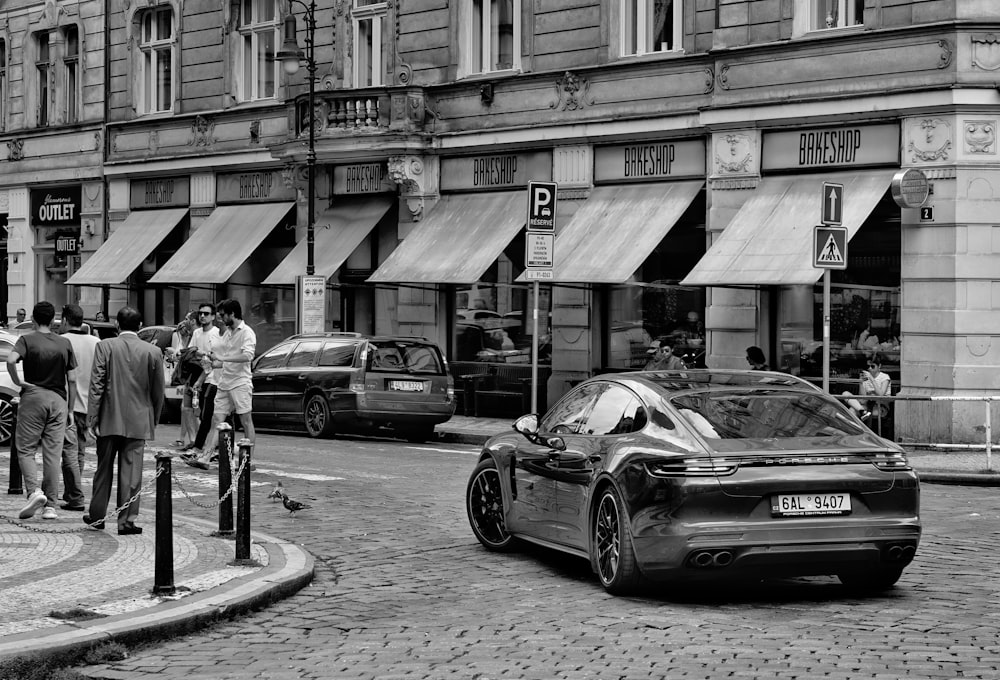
point(330, 383)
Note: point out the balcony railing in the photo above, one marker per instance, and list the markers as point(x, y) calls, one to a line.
point(361, 111)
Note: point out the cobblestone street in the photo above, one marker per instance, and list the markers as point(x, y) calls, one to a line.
point(403, 590)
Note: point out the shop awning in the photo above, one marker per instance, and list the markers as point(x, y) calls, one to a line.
point(130, 244)
point(770, 240)
point(339, 230)
point(458, 240)
point(616, 229)
point(222, 243)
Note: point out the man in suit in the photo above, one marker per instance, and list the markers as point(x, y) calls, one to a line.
point(126, 395)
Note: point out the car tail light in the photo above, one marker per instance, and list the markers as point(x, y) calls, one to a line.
point(450, 396)
point(357, 384)
point(693, 467)
point(890, 461)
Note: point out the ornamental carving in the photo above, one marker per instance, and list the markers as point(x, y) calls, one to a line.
point(986, 51)
point(415, 181)
point(709, 80)
point(734, 154)
point(255, 132)
point(930, 140)
point(980, 136)
point(201, 132)
point(572, 92)
point(15, 149)
point(946, 54)
point(724, 76)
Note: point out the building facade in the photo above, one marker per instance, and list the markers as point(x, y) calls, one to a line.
point(690, 141)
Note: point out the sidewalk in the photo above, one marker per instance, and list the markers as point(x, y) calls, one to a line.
point(66, 587)
point(63, 586)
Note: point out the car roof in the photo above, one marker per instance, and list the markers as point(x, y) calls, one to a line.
point(356, 336)
point(699, 379)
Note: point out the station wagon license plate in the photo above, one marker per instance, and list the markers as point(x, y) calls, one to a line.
point(406, 385)
point(805, 505)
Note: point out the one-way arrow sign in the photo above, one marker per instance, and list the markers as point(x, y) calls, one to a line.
point(833, 203)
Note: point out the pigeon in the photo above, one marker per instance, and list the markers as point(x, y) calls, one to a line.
point(293, 505)
point(277, 492)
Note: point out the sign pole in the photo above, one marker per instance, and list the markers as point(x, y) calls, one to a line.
point(826, 331)
point(534, 348)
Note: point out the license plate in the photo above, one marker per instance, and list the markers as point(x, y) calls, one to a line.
point(805, 505)
point(406, 385)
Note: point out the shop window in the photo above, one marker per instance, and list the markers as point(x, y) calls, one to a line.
point(368, 61)
point(649, 26)
point(491, 35)
point(494, 323)
point(156, 60)
point(821, 15)
point(640, 314)
point(71, 66)
point(257, 69)
point(43, 78)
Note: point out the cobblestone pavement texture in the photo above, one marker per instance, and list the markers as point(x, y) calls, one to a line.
point(403, 590)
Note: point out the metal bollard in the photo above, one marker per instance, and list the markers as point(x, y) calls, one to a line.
point(225, 480)
point(14, 484)
point(243, 506)
point(163, 579)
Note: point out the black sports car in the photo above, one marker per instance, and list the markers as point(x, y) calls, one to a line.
point(698, 475)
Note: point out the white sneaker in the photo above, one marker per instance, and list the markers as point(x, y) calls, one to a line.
point(49, 513)
point(35, 502)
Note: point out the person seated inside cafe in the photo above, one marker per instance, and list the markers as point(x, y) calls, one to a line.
point(662, 357)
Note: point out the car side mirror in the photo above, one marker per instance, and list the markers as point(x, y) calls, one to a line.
point(528, 426)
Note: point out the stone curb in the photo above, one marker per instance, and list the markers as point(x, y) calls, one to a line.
point(289, 569)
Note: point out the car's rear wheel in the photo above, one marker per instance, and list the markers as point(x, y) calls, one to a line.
point(6, 419)
point(484, 504)
point(316, 416)
point(612, 545)
point(879, 578)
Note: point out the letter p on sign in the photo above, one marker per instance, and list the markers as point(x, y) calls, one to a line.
point(542, 206)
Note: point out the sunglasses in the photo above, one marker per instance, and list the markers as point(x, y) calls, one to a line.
point(204, 313)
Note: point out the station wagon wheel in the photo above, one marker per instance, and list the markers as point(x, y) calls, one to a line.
point(611, 543)
point(881, 578)
point(6, 419)
point(484, 504)
point(316, 416)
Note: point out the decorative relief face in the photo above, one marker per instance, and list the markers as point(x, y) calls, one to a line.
point(929, 140)
point(980, 137)
point(735, 154)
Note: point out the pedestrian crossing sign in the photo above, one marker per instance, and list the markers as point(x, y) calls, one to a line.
point(830, 248)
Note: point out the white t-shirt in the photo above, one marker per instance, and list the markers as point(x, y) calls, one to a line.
point(84, 346)
point(206, 341)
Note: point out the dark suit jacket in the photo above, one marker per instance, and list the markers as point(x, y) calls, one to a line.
point(126, 387)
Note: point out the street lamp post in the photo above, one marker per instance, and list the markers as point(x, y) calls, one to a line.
point(290, 55)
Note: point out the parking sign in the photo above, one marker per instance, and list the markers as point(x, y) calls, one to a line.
point(542, 206)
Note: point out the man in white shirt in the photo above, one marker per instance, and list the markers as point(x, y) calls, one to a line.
point(206, 339)
point(75, 442)
point(233, 355)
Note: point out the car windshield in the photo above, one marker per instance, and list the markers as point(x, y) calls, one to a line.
point(764, 414)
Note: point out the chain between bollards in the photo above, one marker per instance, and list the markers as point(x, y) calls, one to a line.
point(163, 579)
point(243, 502)
point(14, 484)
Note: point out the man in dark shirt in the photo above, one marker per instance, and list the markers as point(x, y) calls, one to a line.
point(48, 384)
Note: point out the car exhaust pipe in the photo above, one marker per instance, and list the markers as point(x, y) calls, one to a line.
point(702, 559)
point(895, 553)
point(908, 552)
point(723, 558)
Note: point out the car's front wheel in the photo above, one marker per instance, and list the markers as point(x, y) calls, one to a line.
point(879, 578)
point(484, 504)
point(6, 420)
point(316, 416)
point(611, 544)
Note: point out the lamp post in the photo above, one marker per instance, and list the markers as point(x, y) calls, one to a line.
point(290, 55)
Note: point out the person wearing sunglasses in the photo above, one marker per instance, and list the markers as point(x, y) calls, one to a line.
point(873, 382)
point(206, 339)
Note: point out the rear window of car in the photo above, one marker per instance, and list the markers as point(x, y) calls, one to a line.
point(406, 357)
point(764, 414)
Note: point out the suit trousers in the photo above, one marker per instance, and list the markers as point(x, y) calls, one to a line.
point(129, 453)
point(41, 424)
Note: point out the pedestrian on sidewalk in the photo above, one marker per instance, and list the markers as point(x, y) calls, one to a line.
point(236, 349)
point(126, 397)
point(186, 372)
point(205, 339)
point(49, 383)
point(75, 443)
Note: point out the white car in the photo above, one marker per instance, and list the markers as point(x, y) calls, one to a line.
point(8, 390)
